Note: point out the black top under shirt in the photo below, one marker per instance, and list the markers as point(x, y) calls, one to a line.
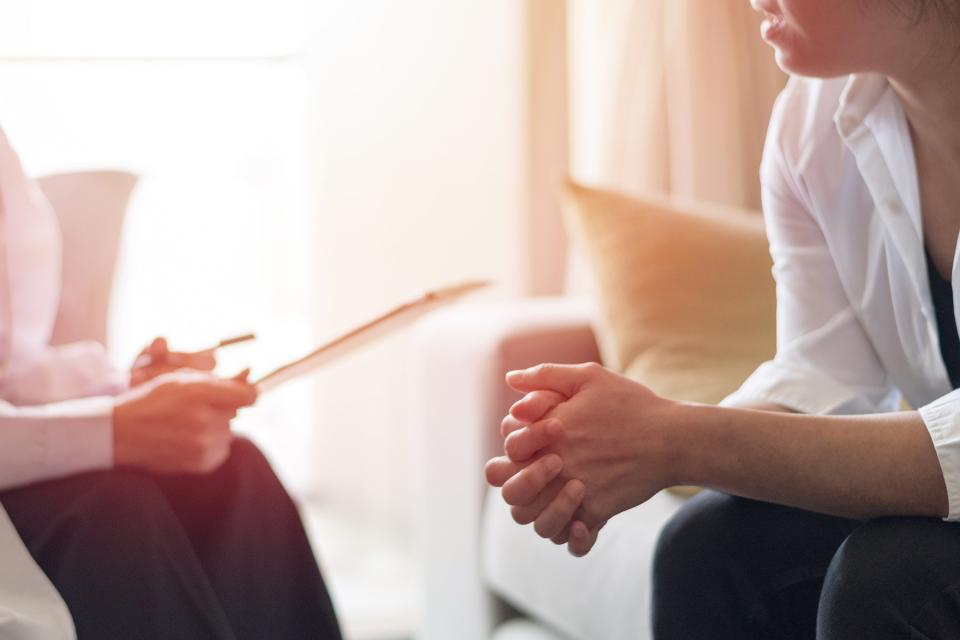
point(942, 292)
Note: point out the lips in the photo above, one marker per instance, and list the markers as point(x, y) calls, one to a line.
point(773, 17)
point(772, 22)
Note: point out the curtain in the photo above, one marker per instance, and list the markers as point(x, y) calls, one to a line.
point(670, 95)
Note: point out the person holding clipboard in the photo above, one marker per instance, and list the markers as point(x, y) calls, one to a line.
point(128, 488)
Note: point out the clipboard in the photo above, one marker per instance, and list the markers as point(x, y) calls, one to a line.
point(397, 318)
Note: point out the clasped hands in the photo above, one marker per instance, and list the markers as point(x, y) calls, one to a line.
point(582, 445)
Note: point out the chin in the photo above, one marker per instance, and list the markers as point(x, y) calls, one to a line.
point(811, 66)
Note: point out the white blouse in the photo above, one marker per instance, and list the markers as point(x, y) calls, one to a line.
point(856, 328)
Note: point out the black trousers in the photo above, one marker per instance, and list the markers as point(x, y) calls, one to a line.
point(220, 556)
point(730, 568)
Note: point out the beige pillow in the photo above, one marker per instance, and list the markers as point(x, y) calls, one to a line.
point(685, 294)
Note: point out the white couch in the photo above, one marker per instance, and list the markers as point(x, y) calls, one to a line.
point(483, 575)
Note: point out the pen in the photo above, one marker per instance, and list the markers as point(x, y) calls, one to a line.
point(145, 360)
point(226, 342)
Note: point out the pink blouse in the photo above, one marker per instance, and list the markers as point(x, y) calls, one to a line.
point(56, 403)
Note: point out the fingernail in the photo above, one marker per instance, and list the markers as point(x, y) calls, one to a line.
point(554, 463)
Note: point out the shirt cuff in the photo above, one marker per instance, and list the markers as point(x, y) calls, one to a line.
point(942, 419)
point(78, 435)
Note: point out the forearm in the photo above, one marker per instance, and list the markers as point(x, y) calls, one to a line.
point(854, 466)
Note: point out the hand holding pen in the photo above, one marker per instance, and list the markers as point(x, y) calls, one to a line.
point(176, 417)
point(157, 359)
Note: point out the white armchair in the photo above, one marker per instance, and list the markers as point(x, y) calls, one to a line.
point(90, 207)
point(483, 575)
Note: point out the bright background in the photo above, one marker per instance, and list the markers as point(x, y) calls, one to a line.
point(303, 167)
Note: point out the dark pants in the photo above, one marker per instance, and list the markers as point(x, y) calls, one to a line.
point(135, 555)
point(730, 568)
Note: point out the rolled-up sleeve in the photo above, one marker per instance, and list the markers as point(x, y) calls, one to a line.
point(56, 414)
point(825, 362)
point(942, 419)
point(53, 440)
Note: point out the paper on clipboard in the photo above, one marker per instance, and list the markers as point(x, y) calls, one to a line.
point(389, 322)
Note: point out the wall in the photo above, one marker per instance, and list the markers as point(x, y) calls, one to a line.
point(418, 109)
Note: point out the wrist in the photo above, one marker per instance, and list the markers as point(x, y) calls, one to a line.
point(688, 444)
point(122, 453)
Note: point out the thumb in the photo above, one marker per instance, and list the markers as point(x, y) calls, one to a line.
point(158, 348)
point(562, 378)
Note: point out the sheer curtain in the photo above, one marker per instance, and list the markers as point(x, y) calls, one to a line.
point(670, 95)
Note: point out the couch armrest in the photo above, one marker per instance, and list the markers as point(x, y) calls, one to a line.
point(459, 398)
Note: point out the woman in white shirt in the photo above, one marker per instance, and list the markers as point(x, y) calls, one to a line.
point(831, 512)
point(127, 488)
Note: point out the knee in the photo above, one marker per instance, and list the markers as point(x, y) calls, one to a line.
point(248, 472)
point(122, 508)
point(866, 578)
point(120, 494)
point(244, 454)
point(698, 542)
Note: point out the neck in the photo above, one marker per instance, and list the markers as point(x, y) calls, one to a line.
point(930, 95)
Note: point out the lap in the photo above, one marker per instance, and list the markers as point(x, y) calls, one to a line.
point(754, 566)
point(735, 567)
point(177, 555)
point(132, 498)
point(894, 576)
point(769, 543)
point(46, 512)
point(768, 539)
point(244, 489)
point(112, 545)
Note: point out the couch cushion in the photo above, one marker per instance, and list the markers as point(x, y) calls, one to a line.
point(604, 595)
point(685, 296)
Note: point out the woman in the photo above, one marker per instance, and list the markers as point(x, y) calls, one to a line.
point(127, 488)
point(830, 513)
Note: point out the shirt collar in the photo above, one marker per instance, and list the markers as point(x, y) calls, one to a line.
point(860, 96)
point(870, 116)
point(873, 126)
